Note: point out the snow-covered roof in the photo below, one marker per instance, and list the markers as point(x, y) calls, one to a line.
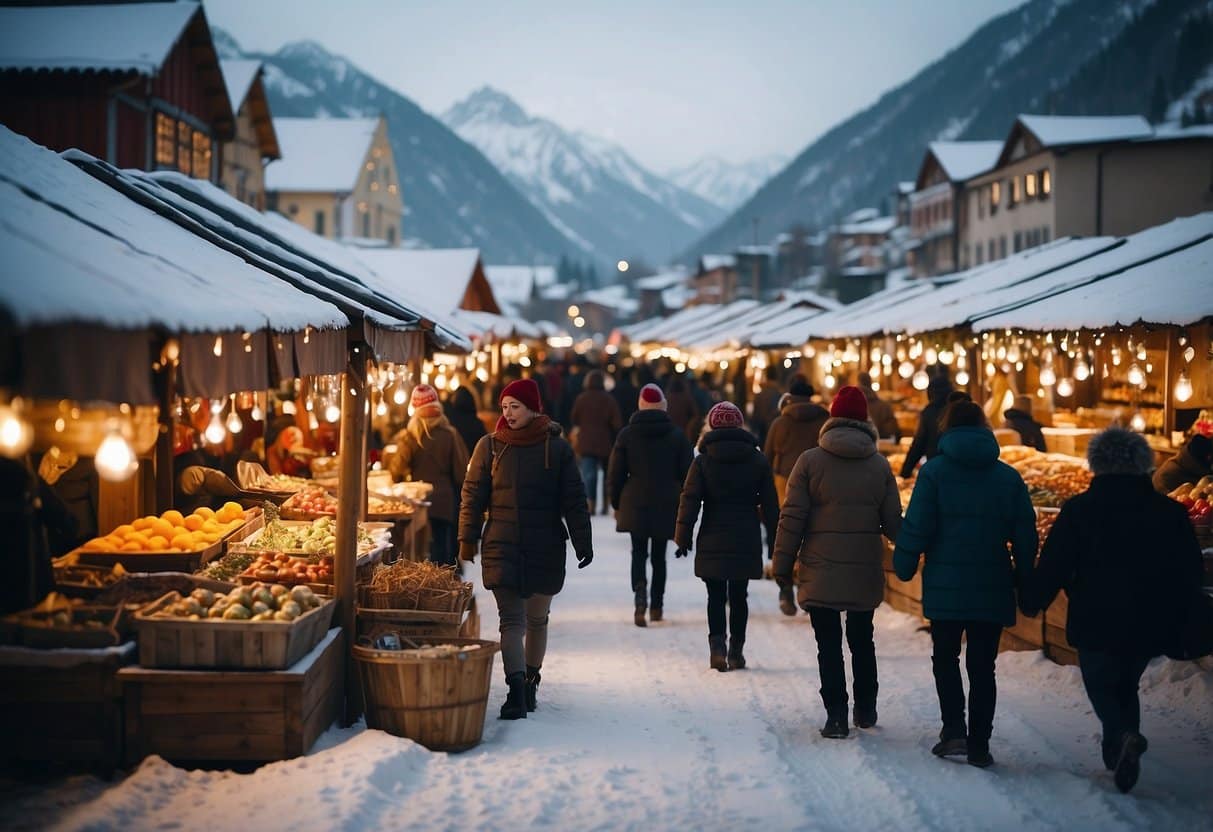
point(436, 278)
point(876, 225)
point(1059, 131)
point(320, 154)
point(513, 284)
point(964, 160)
point(711, 262)
point(238, 77)
point(126, 37)
point(612, 297)
point(757, 319)
point(488, 324)
point(827, 323)
point(718, 322)
point(653, 329)
point(661, 281)
point(676, 297)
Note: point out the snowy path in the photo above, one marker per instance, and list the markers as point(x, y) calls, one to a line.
point(634, 731)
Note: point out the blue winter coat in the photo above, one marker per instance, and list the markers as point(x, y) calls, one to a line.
point(966, 507)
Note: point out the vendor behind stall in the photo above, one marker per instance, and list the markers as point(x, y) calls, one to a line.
point(1019, 418)
point(1193, 462)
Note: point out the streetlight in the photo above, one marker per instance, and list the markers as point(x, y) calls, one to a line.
point(622, 265)
point(574, 311)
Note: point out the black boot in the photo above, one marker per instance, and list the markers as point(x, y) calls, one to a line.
point(865, 715)
point(787, 603)
point(655, 613)
point(532, 688)
point(642, 592)
point(836, 724)
point(514, 706)
point(719, 659)
point(1128, 764)
point(978, 753)
point(735, 658)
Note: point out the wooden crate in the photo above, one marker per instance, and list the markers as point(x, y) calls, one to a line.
point(1056, 646)
point(199, 716)
point(173, 561)
point(63, 706)
point(1057, 611)
point(219, 643)
point(1025, 634)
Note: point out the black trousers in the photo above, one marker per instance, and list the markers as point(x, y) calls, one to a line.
point(1111, 681)
point(644, 548)
point(442, 542)
point(827, 627)
point(980, 655)
point(734, 594)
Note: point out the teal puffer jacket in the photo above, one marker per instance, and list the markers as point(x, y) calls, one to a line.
point(966, 507)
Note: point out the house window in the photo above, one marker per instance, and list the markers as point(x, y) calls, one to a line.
point(992, 250)
point(1002, 247)
point(1016, 191)
point(977, 260)
point(1046, 183)
point(1044, 234)
point(391, 235)
point(1029, 185)
point(166, 141)
point(318, 223)
point(201, 162)
point(185, 147)
point(1017, 242)
point(366, 224)
point(995, 196)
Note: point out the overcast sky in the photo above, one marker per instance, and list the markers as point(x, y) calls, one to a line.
point(671, 81)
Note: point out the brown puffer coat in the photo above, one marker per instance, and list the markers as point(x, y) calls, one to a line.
point(792, 433)
point(530, 493)
point(440, 459)
point(841, 498)
point(597, 419)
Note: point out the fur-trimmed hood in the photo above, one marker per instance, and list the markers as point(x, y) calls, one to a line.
point(1119, 451)
point(848, 438)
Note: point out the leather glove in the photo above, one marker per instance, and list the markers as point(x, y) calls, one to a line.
point(583, 562)
point(467, 551)
point(680, 552)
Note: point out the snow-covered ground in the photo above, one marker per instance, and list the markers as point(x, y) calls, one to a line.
point(634, 731)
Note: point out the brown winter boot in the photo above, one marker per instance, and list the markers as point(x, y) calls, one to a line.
point(719, 658)
point(735, 657)
point(641, 593)
point(654, 614)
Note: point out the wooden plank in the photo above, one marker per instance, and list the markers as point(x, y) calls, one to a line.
point(189, 725)
point(221, 746)
point(206, 699)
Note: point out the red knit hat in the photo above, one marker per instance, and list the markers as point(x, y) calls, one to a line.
point(651, 398)
point(850, 403)
point(423, 395)
point(524, 390)
point(725, 415)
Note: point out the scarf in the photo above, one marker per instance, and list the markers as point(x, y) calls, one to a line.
point(532, 434)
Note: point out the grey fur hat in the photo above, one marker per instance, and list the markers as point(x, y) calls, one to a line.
point(1119, 451)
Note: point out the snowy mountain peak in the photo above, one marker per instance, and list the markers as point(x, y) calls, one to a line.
point(727, 184)
point(311, 52)
point(487, 103)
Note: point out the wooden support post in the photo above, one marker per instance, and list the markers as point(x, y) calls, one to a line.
point(351, 497)
point(165, 381)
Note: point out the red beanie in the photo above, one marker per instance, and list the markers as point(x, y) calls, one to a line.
point(850, 403)
point(423, 395)
point(651, 398)
point(524, 390)
point(725, 415)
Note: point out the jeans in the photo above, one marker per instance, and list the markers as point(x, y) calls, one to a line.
point(442, 542)
point(1111, 681)
point(732, 593)
point(643, 548)
point(980, 655)
point(589, 467)
point(523, 627)
point(827, 627)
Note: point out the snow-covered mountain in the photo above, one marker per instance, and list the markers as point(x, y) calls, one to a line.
point(727, 184)
point(592, 190)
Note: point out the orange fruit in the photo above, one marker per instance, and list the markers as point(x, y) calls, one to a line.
point(156, 543)
point(131, 547)
point(211, 527)
point(194, 522)
point(182, 541)
point(143, 523)
point(205, 512)
point(173, 516)
point(113, 543)
point(123, 530)
point(163, 528)
point(94, 545)
point(234, 508)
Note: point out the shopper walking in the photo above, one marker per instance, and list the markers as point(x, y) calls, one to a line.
point(732, 482)
point(462, 412)
point(648, 465)
point(794, 431)
point(1018, 418)
point(926, 438)
point(965, 508)
point(880, 412)
point(429, 449)
point(842, 497)
point(522, 491)
point(1128, 560)
point(596, 419)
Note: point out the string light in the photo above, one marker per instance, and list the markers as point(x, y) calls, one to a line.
point(1138, 422)
point(332, 413)
point(921, 380)
point(16, 434)
point(905, 369)
point(234, 423)
point(1082, 370)
point(215, 431)
point(1047, 376)
point(1065, 387)
point(1183, 387)
point(962, 378)
point(115, 458)
point(1136, 376)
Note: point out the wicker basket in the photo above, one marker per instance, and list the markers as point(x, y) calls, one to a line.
point(432, 600)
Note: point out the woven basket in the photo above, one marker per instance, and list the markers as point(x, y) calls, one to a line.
point(433, 600)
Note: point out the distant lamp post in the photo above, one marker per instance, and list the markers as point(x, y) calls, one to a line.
point(622, 265)
point(574, 311)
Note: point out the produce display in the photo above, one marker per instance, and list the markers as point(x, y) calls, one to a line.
point(312, 500)
point(416, 585)
point(59, 621)
point(290, 570)
point(1051, 478)
point(229, 566)
point(80, 578)
point(388, 505)
point(432, 651)
point(171, 531)
point(315, 538)
point(259, 602)
point(280, 482)
point(1198, 500)
point(1044, 522)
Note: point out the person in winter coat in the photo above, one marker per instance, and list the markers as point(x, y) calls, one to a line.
point(965, 508)
point(462, 413)
point(626, 392)
point(683, 411)
point(880, 412)
point(597, 419)
point(429, 449)
point(1193, 463)
point(648, 466)
point(842, 497)
point(523, 476)
point(766, 403)
point(793, 432)
point(1126, 557)
point(926, 438)
point(732, 482)
point(1019, 418)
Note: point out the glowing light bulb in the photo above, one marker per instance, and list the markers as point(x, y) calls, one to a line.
point(255, 413)
point(905, 369)
point(962, 378)
point(1189, 353)
point(289, 409)
point(312, 421)
point(215, 432)
point(1136, 376)
point(234, 423)
point(1065, 387)
point(1013, 354)
point(830, 382)
point(932, 356)
point(332, 413)
point(1183, 387)
point(1047, 376)
point(921, 380)
point(381, 408)
point(1081, 370)
point(990, 369)
point(946, 357)
point(1138, 422)
point(875, 385)
point(115, 459)
point(398, 397)
point(16, 434)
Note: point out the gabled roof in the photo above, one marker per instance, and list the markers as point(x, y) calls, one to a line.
point(320, 154)
point(437, 278)
point(243, 81)
point(958, 160)
point(711, 262)
point(126, 37)
point(1069, 131)
point(878, 225)
point(661, 281)
point(514, 284)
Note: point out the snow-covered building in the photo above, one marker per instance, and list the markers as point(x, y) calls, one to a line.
point(243, 159)
point(860, 253)
point(337, 178)
point(518, 287)
point(135, 84)
point(1083, 175)
point(654, 295)
point(715, 280)
point(934, 218)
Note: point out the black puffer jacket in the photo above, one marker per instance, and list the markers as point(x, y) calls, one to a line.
point(529, 493)
point(732, 480)
point(648, 466)
point(1028, 428)
point(1126, 557)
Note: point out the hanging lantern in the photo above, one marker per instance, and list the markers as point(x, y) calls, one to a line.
point(16, 434)
point(115, 458)
point(1183, 387)
point(1065, 387)
point(921, 380)
point(1047, 376)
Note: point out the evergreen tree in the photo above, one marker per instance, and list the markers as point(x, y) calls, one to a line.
point(1158, 101)
point(564, 270)
point(591, 277)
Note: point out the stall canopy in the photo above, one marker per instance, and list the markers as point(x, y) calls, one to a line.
point(828, 324)
point(712, 326)
point(759, 319)
point(91, 278)
point(655, 329)
point(487, 326)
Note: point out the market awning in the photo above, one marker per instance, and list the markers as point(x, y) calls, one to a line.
point(499, 327)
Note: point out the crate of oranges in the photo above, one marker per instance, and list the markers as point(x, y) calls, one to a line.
point(172, 542)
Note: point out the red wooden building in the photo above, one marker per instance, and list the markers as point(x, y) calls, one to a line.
point(136, 84)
